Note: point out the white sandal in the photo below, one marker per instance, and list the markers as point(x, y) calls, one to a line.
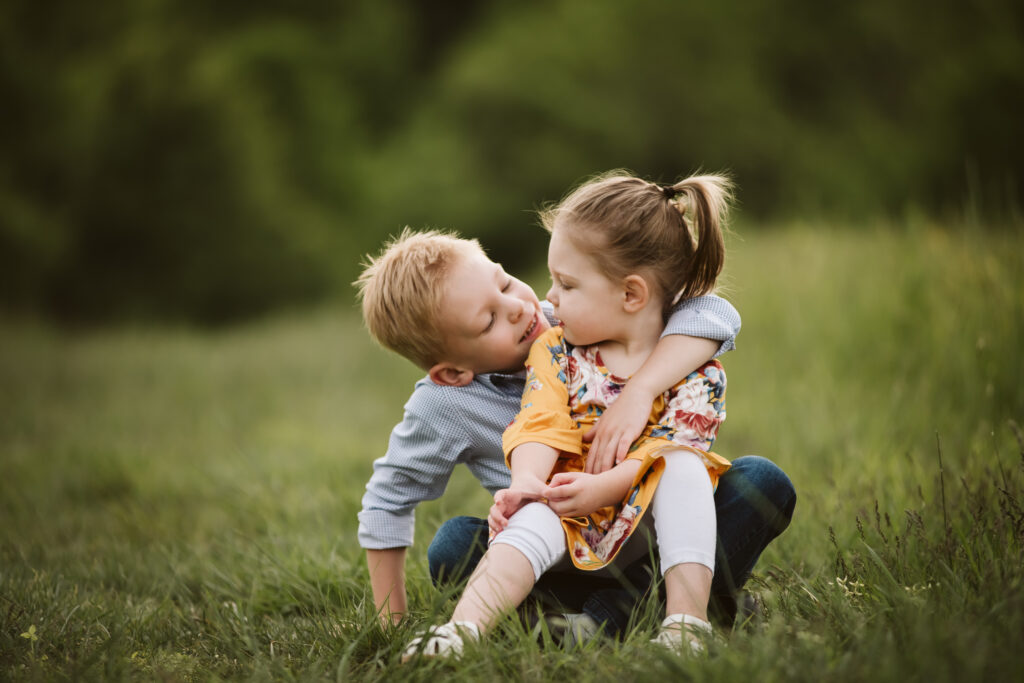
point(445, 640)
point(676, 625)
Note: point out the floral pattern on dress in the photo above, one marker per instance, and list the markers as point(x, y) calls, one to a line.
point(685, 417)
point(591, 387)
point(697, 409)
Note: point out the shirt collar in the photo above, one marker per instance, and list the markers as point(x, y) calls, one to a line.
point(509, 382)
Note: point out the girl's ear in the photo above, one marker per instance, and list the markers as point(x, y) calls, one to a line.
point(635, 293)
point(448, 375)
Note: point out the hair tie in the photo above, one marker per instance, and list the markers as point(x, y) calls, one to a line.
point(668, 191)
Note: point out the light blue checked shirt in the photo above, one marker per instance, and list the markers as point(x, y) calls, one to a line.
point(447, 426)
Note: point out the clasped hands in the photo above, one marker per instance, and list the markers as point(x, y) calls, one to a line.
point(568, 494)
point(572, 494)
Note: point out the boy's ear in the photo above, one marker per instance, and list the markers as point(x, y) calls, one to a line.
point(635, 293)
point(447, 375)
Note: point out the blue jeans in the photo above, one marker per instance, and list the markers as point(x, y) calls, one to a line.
point(754, 502)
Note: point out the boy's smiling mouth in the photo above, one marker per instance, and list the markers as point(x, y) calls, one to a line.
point(530, 329)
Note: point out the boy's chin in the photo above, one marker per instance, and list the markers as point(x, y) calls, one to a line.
point(516, 366)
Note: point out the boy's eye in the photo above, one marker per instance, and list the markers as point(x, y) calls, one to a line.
point(490, 324)
point(507, 285)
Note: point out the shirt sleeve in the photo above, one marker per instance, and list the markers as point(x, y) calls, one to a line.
point(549, 312)
point(709, 317)
point(544, 415)
point(422, 452)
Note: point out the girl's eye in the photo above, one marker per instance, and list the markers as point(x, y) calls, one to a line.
point(490, 324)
point(507, 285)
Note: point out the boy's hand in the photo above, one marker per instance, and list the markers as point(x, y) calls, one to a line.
point(675, 357)
point(574, 494)
point(506, 503)
point(619, 426)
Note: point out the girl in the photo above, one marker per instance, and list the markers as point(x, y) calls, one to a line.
point(622, 252)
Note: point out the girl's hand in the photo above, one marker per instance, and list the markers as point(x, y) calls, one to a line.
point(573, 494)
point(622, 422)
point(506, 503)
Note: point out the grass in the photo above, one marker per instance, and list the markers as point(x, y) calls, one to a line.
point(181, 505)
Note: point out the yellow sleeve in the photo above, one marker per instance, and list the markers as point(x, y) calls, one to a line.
point(544, 415)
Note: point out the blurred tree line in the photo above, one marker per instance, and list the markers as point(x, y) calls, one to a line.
point(207, 161)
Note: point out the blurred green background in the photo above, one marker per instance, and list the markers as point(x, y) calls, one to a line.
point(180, 503)
point(204, 162)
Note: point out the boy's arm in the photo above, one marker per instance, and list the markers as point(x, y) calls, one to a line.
point(675, 357)
point(698, 330)
point(422, 452)
point(387, 580)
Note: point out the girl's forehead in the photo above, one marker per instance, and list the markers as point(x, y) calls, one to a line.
point(568, 244)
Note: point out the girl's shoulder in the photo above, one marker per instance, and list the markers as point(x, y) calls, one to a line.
point(552, 340)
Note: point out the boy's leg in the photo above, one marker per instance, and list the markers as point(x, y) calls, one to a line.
point(456, 549)
point(754, 503)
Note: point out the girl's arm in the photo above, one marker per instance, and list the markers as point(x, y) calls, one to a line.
point(531, 464)
point(573, 494)
point(544, 422)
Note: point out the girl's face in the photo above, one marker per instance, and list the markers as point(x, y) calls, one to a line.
point(585, 300)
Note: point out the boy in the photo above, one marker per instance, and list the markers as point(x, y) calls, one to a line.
point(440, 302)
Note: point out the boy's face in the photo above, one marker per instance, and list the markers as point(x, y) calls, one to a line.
point(489, 319)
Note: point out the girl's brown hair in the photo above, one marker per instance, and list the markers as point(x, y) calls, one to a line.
point(673, 233)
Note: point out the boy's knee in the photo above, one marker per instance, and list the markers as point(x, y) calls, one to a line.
point(763, 479)
point(451, 552)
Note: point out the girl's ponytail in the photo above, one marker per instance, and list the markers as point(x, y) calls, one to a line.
point(673, 234)
point(703, 202)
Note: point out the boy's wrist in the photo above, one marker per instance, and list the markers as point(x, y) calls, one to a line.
point(638, 387)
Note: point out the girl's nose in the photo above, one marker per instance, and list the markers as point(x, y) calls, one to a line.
point(551, 296)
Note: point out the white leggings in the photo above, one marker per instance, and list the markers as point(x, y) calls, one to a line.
point(683, 512)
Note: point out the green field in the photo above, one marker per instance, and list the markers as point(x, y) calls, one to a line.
point(181, 505)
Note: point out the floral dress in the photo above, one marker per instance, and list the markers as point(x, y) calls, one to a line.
point(567, 390)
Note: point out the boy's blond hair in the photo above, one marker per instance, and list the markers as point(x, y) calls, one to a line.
point(401, 292)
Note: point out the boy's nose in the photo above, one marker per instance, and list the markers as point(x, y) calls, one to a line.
point(551, 296)
point(517, 310)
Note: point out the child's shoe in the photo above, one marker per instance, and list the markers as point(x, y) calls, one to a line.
point(677, 626)
point(445, 640)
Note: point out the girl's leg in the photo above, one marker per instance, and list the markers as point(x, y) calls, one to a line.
point(500, 582)
point(532, 543)
point(684, 522)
